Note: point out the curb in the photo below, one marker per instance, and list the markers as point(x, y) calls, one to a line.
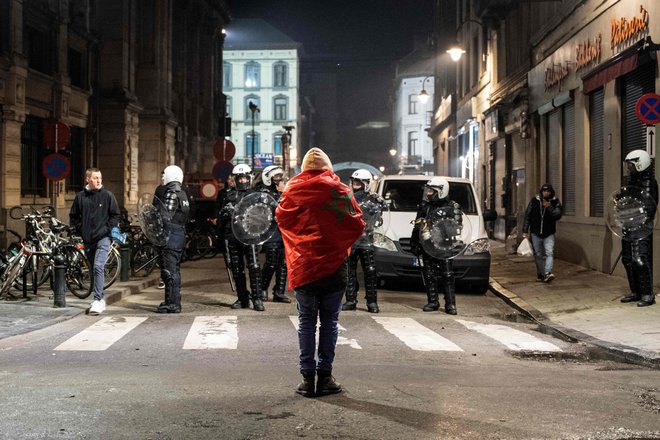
point(127, 288)
point(608, 350)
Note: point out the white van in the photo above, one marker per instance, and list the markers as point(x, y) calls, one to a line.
point(403, 193)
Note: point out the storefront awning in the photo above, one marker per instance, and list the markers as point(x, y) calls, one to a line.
point(618, 65)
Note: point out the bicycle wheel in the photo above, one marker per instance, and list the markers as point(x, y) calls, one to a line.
point(78, 273)
point(144, 260)
point(112, 267)
point(13, 269)
point(202, 244)
point(42, 273)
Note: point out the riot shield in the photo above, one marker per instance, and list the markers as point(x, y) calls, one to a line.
point(445, 233)
point(629, 213)
point(153, 219)
point(253, 221)
point(376, 216)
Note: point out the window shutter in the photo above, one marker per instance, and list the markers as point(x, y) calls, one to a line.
point(596, 152)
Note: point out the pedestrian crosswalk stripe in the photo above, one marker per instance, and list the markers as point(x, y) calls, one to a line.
point(512, 338)
point(341, 340)
point(211, 332)
point(415, 335)
point(102, 334)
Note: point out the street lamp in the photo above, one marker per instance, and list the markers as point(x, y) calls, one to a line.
point(424, 95)
point(253, 108)
point(456, 51)
point(286, 142)
point(393, 152)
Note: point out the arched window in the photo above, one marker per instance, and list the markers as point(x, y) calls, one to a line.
point(280, 108)
point(252, 75)
point(280, 74)
point(248, 113)
point(226, 75)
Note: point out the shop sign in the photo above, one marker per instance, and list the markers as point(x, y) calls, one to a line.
point(555, 74)
point(625, 30)
point(588, 53)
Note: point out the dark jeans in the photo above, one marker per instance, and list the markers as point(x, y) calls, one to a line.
point(313, 305)
point(171, 268)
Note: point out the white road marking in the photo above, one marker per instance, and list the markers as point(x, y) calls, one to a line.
point(415, 335)
point(512, 338)
point(341, 340)
point(102, 334)
point(212, 332)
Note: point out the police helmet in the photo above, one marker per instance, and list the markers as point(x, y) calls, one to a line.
point(172, 174)
point(363, 176)
point(440, 185)
point(638, 160)
point(242, 176)
point(269, 172)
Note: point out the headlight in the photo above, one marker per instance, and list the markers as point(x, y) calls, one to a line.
point(478, 246)
point(383, 242)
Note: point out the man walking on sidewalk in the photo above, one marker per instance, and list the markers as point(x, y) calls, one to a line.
point(541, 217)
point(93, 214)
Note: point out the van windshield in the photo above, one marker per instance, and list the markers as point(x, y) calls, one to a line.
point(405, 195)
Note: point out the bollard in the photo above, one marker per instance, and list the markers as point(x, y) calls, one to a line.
point(59, 281)
point(125, 254)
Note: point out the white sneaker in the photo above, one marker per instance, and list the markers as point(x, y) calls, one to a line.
point(97, 307)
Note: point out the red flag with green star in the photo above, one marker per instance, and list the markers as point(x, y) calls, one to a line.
point(319, 220)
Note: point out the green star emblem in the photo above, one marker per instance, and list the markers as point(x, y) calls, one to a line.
point(340, 205)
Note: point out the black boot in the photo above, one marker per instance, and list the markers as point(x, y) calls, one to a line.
point(631, 298)
point(280, 298)
point(264, 296)
point(450, 299)
point(647, 300)
point(326, 384)
point(351, 301)
point(372, 304)
point(257, 304)
point(306, 387)
point(241, 303)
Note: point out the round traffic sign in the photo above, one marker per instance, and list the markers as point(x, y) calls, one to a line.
point(224, 150)
point(222, 170)
point(208, 190)
point(56, 167)
point(648, 108)
point(56, 134)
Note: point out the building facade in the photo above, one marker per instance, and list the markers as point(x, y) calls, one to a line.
point(132, 81)
point(261, 85)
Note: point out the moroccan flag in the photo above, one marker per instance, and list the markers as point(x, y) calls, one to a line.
point(319, 220)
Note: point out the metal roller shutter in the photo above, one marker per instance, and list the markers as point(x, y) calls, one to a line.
point(568, 159)
point(553, 163)
point(596, 145)
point(635, 84)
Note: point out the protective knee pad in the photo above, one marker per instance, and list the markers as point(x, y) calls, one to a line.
point(280, 274)
point(370, 275)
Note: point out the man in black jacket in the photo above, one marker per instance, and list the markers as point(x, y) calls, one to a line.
point(541, 217)
point(93, 214)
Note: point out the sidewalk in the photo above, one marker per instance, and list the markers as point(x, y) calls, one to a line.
point(580, 303)
point(35, 312)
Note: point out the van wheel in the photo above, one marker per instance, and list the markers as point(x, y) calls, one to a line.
point(478, 288)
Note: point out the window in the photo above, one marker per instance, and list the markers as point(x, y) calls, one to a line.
point(33, 182)
point(38, 48)
point(75, 181)
point(248, 113)
point(77, 68)
point(277, 144)
point(228, 107)
point(412, 104)
point(280, 74)
point(252, 75)
point(412, 145)
point(252, 142)
point(226, 75)
point(596, 152)
point(280, 108)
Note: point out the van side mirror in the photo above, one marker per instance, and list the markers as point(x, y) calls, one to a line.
point(490, 215)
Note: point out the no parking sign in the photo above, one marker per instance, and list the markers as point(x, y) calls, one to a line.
point(56, 167)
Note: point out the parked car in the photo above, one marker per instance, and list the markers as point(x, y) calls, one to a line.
point(394, 261)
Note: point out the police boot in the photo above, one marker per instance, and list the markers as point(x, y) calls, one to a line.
point(372, 304)
point(647, 300)
point(264, 295)
point(164, 307)
point(450, 301)
point(631, 298)
point(433, 303)
point(326, 384)
point(306, 387)
point(257, 304)
point(280, 298)
point(351, 301)
point(241, 304)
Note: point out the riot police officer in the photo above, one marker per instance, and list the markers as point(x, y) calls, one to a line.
point(273, 180)
point(637, 255)
point(363, 249)
point(177, 205)
point(238, 252)
point(436, 271)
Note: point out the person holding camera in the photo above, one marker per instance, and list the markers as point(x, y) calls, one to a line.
point(541, 216)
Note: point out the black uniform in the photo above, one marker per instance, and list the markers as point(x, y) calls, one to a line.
point(275, 262)
point(637, 255)
point(363, 250)
point(238, 253)
point(177, 207)
point(436, 271)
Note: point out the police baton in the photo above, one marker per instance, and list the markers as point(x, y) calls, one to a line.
point(225, 254)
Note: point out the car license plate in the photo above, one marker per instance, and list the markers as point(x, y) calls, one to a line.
point(417, 262)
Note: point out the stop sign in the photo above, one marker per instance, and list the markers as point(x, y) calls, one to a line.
point(56, 134)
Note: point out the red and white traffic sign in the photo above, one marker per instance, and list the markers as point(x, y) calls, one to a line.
point(224, 150)
point(648, 108)
point(57, 135)
point(56, 167)
point(208, 190)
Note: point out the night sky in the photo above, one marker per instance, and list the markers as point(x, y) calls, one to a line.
point(364, 36)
